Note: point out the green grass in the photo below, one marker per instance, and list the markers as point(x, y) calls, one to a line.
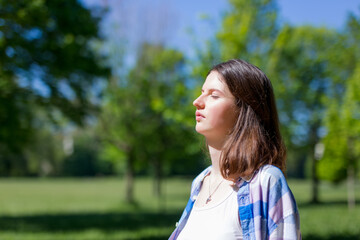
point(330, 220)
point(95, 209)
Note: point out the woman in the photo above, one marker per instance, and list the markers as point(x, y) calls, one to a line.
point(244, 194)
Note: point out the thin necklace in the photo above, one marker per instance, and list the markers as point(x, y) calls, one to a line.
point(210, 194)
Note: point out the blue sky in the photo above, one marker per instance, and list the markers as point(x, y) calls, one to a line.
point(169, 21)
point(329, 13)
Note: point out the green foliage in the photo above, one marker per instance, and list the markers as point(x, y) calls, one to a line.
point(301, 73)
point(333, 165)
point(45, 63)
point(248, 30)
point(45, 154)
point(113, 155)
point(148, 116)
point(342, 147)
point(85, 159)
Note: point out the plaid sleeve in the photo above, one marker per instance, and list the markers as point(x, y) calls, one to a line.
point(283, 216)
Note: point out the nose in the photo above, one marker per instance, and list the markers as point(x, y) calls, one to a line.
point(199, 103)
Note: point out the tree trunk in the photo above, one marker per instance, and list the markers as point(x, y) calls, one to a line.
point(129, 178)
point(314, 181)
point(351, 187)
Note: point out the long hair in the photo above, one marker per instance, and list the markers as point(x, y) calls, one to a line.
point(255, 139)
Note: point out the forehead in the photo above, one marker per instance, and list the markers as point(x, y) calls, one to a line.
point(214, 81)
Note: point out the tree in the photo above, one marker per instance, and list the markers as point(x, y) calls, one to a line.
point(341, 143)
point(301, 65)
point(248, 30)
point(146, 116)
point(342, 149)
point(45, 61)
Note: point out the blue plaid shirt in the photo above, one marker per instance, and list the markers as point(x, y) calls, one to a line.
point(267, 208)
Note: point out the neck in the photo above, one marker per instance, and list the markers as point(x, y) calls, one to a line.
point(215, 154)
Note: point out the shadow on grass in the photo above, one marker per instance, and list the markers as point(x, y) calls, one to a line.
point(84, 221)
point(332, 237)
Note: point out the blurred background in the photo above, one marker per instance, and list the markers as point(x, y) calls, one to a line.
point(97, 135)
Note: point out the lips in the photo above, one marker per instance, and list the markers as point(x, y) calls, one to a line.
point(198, 116)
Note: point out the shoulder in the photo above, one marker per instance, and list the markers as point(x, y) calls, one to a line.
point(271, 171)
point(269, 175)
point(271, 180)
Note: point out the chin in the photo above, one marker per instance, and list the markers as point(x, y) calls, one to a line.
point(199, 129)
point(203, 131)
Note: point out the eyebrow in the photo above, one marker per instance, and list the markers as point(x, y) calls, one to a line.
point(213, 89)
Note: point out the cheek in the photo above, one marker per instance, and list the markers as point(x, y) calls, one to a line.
point(224, 117)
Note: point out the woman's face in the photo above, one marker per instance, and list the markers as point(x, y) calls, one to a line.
point(215, 109)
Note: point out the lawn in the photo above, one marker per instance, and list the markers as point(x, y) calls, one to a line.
point(94, 208)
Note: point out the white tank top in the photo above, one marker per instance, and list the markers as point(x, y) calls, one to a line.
point(217, 222)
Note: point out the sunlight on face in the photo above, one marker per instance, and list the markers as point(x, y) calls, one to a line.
point(215, 109)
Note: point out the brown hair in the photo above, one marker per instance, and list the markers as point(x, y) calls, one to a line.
point(255, 139)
